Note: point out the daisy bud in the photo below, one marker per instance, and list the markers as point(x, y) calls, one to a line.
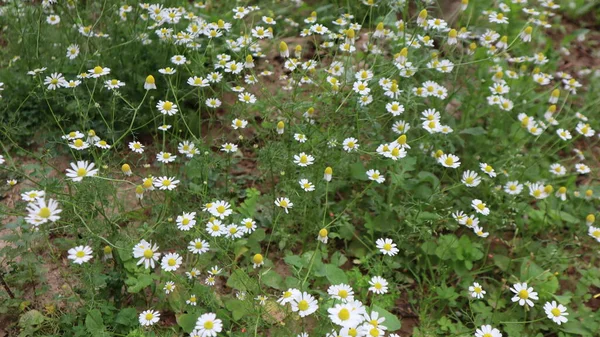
point(464, 4)
point(147, 183)
point(589, 193)
point(313, 14)
point(107, 249)
point(422, 17)
point(562, 190)
point(280, 127)
point(402, 56)
point(452, 34)
point(536, 70)
point(554, 96)
point(257, 260)
point(548, 189)
point(126, 169)
point(472, 47)
point(221, 24)
point(438, 154)
point(139, 191)
point(249, 62)
point(328, 174)
point(551, 109)
point(150, 83)
point(402, 140)
point(298, 51)
point(350, 35)
point(589, 220)
point(379, 26)
point(283, 50)
point(323, 235)
point(401, 26)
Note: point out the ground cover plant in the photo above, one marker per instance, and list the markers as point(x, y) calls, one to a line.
point(289, 168)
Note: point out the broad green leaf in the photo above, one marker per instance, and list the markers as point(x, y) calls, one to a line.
point(187, 322)
point(391, 321)
point(335, 275)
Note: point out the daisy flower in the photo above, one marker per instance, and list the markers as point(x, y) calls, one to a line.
point(387, 247)
point(171, 262)
point(341, 292)
point(350, 144)
point(470, 178)
point(284, 203)
point(480, 207)
point(476, 291)
point(149, 317)
point(166, 183)
point(40, 212)
point(303, 159)
point(186, 221)
point(304, 304)
point(80, 254)
point(556, 312)
point(136, 147)
point(147, 253)
point(32, 195)
point(375, 176)
point(166, 107)
point(487, 331)
point(513, 187)
point(523, 294)
point(169, 287)
point(378, 285)
point(306, 185)
point(198, 246)
point(487, 169)
point(449, 160)
point(221, 209)
point(165, 157)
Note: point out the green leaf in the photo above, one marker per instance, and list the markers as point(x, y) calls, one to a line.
point(31, 319)
point(272, 279)
point(357, 171)
point(137, 284)
point(474, 131)
point(239, 280)
point(501, 261)
point(95, 324)
point(335, 275)
point(187, 322)
point(391, 321)
point(126, 317)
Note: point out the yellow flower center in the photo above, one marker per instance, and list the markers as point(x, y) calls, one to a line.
point(208, 325)
point(523, 294)
point(80, 254)
point(343, 293)
point(477, 290)
point(555, 312)
point(387, 246)
point(149, 316)
point(344, 314)
point(167, 105)
point(303, 305)
point(81, 172)
point(303, 159)
point(185, 221)
point(221, 209)
point(166, 182)
point(449, 161)
point(378, 286)
point(98, 70)
point(171, 262)
point(283, 203)
point(198, 245)
point(148, 253)
point(596, 234)
point(78, 142)
point(481, 206)
point(45, 212)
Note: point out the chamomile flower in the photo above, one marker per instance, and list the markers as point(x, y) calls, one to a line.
point(198, 246)
point(165, 157)
point(345, 315)
point(378, 285)
point(341, 292)
point(480, 207)
point(166, 107)
point(594, 232)
point(513, 188)
point(306, 185)
point(192, 300)
point(186, 221)
point(80, 254)
point(147, 253)
point(79, 144)
point(169, 287)
point(32, 195)
point(487, 331)
point(375, 176)
point(487, 169)
point(558, 169)
point(301, 138)
point(476, 291)
point(229, 148)
point(350, 144)
point(215, 228)
point(582, 168)
point(234, 231)
point(304, 304)
point(523, 294)
point(80, 170)
point(564, 134)
point(213, 102)
point(40, 212)
point(136, 147)
point(387, 247)
point(221, 209)
point(303, 159)
point(470, 178)
point(556, 312)
point(171, 262)
point(98, 71)
point(208, 325)
point(284, 203)
point(149, 317)
point(166, 183)
point(449, 160)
